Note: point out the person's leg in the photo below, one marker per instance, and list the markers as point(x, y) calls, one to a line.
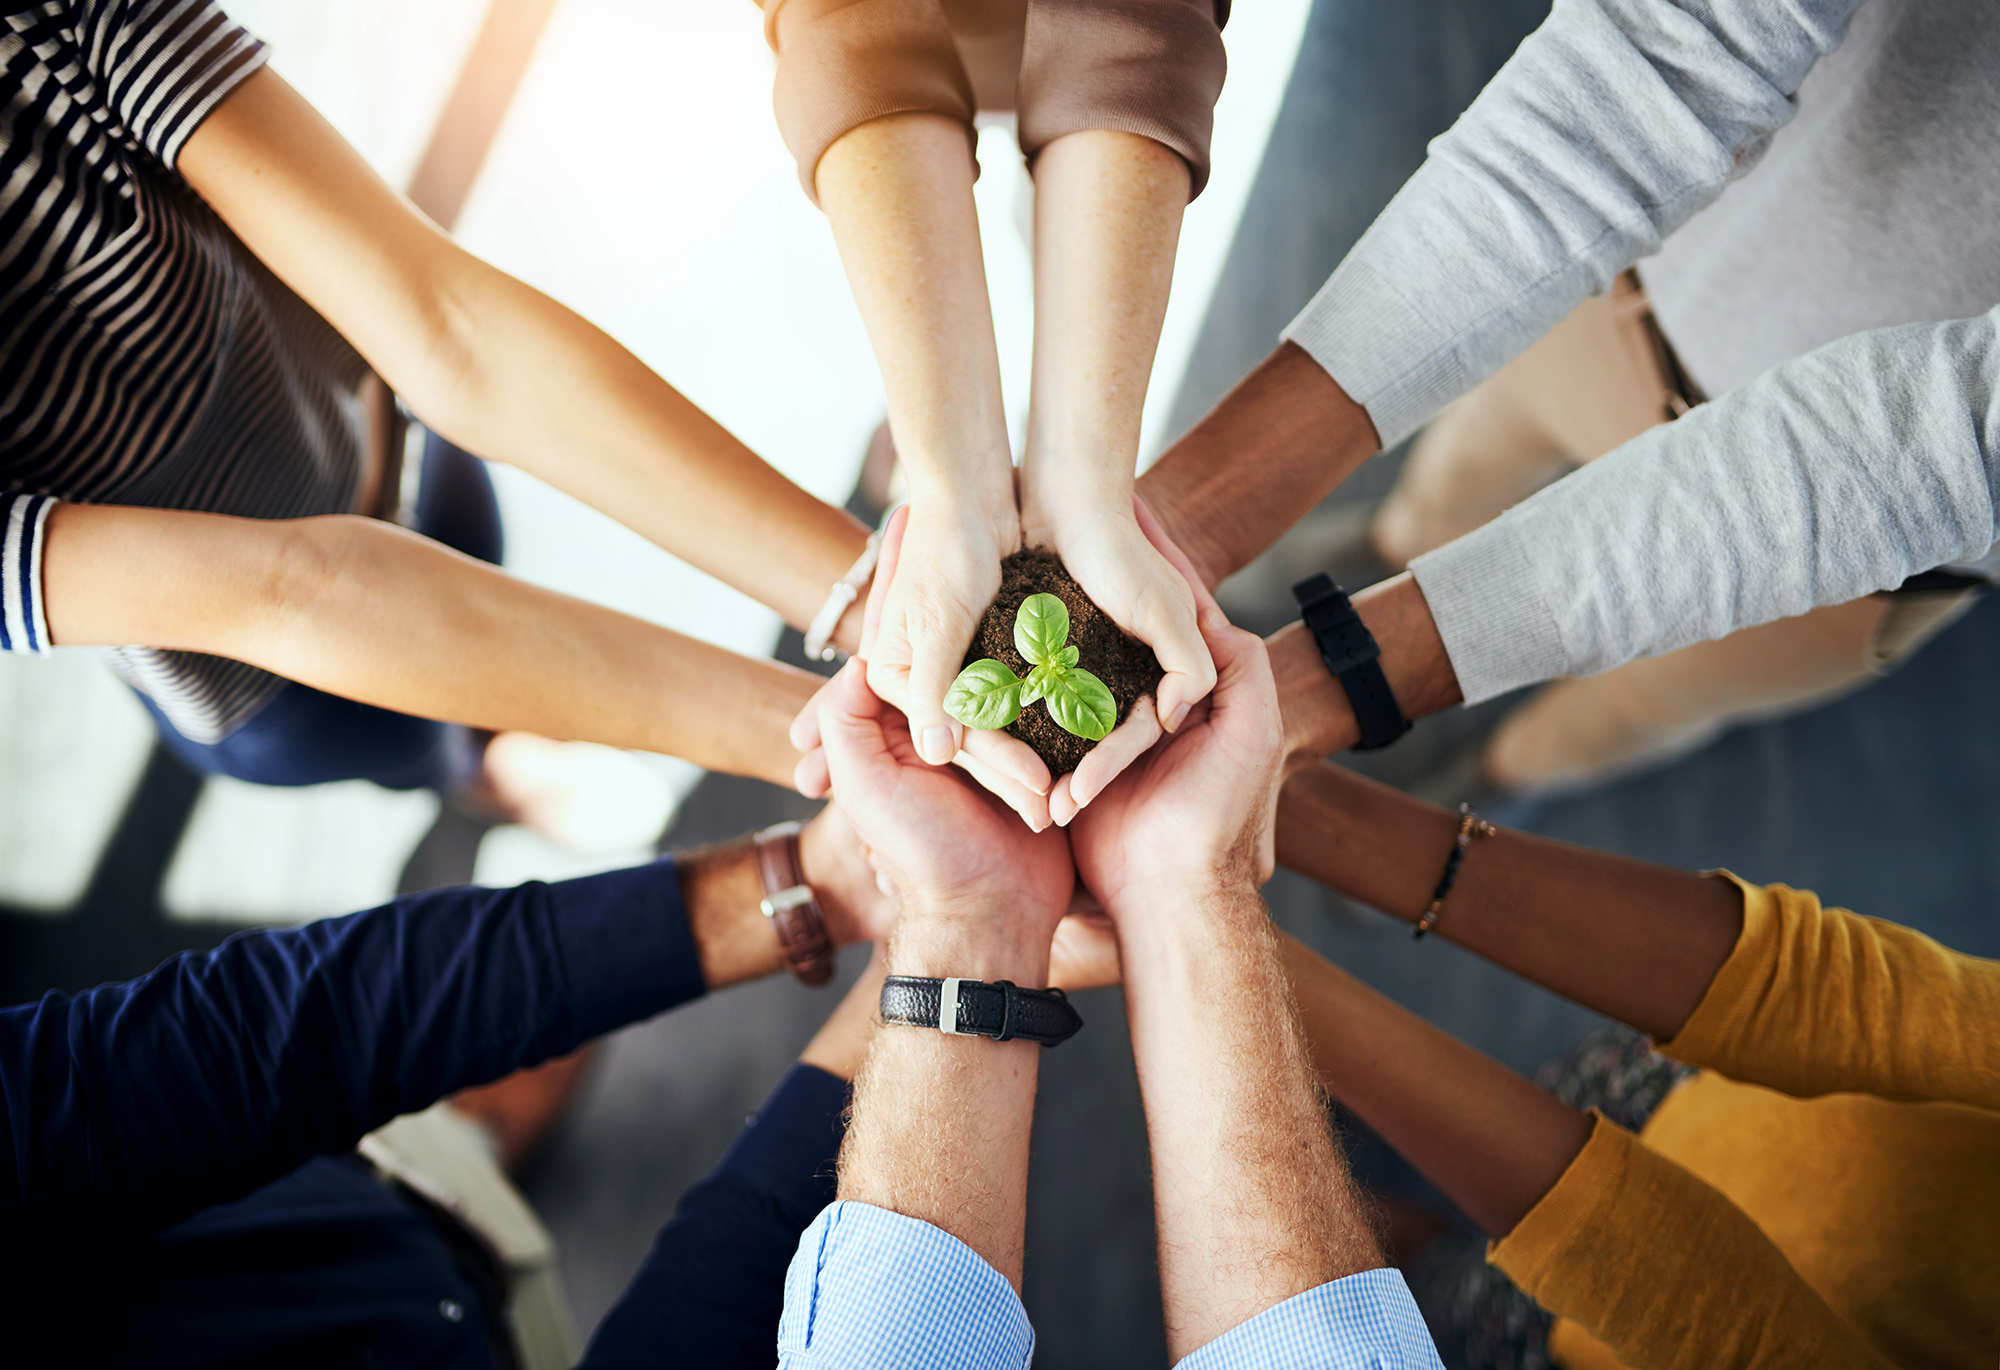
point(1579, 732)
point(1592, 383)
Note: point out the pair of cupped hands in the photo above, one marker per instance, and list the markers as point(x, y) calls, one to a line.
point(1176, 820)
point(936, 575)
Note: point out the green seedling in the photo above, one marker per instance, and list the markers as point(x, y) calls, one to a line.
point(988, 695)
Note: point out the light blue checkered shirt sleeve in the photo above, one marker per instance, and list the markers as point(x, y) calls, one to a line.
point(873, 1288)
point(1364, 1322)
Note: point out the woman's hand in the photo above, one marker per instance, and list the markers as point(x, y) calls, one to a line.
point(1002, 763)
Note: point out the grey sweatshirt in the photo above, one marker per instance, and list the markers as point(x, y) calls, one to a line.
point(1840, 472)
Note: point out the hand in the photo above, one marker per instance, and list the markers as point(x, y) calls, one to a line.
point(1196, 812)
point(943, 846)
point(1084, 954)
point(1002, 763)
point(946, 573)
point(837, 866)
point(1127, 575)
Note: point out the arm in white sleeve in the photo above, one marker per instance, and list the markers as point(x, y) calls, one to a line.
point(1607, 130)
point(1830, 477)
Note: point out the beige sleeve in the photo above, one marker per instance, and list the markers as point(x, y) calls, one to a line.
point(1667, 1273)
point(1822, 1001)
point(1152, 67)
point(842, 63)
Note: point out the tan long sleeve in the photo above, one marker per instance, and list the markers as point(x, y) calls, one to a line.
point(1152, 67)
point(1820, 1001)
point(1667, 1273)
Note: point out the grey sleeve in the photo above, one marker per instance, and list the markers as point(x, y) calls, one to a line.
point(1828, 478)
point(1613, 123)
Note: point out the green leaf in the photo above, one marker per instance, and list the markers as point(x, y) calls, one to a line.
point(1067, 658)
point(1037, 683)
point(985, 695)
point(1041, 628)
point(1082, 704)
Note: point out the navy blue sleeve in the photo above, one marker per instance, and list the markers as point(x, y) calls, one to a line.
point(130, 1107)
point(710, 1292)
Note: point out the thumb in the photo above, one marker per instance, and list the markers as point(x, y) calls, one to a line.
point(933, 666)
point(1166, 622)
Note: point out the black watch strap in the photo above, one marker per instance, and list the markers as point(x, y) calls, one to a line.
point(1002, 1010)
point(1349, 651)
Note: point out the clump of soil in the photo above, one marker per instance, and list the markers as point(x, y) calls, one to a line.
point(1125, 665)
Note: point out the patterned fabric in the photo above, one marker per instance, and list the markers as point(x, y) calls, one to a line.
point(1480, 1319)
point(24, 627)
point(146, 357)
point(1362, 1322)
point(871, 1287)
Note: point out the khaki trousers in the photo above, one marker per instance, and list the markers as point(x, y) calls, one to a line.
point(1598, 379)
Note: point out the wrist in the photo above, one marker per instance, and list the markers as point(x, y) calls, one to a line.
point(1186, 925)
point(989, 943)
point(1166, 902)
point(1318, 719)
point(722, 892)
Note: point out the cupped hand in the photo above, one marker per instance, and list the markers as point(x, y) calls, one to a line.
point(1002, 763)
point(1126, 573)
point(939, 843)
point(1196, 812)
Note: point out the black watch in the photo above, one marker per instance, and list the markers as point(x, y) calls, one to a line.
point(1002, 1010)
point(1350, 652)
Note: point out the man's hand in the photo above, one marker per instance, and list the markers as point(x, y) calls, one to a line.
point(947, 849)
point(1194, 814)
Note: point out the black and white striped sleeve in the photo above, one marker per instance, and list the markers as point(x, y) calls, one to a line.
point(24, 626)
point(164, 65)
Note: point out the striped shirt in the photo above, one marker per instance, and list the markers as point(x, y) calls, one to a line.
point(146, 357)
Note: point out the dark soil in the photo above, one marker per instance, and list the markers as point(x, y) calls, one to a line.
point(1125, 664)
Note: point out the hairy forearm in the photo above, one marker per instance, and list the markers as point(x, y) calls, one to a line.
point(1490, 1140)
point(370, 612)
point(1637, 942)
point(941, 1123)
point(898, 193)
point(1253, 1201)
point(1107, 221)
point(1258, 463)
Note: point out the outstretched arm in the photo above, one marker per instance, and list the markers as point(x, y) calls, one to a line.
point(1107, 220)
point(501, 369)
point(371, 612)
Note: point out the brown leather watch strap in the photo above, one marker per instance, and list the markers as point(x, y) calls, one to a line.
point(791, 906)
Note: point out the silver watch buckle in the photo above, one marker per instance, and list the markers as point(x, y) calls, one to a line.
point(948, 1007)
point(775, 904)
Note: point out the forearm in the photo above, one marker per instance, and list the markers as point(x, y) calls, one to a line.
point(1107, 221)
point(1490, 1140)
point(898, 193)
point(1252, 1201)
point(941, 1123)
point(1637, 942)
point(370, 612)
point(540, 388)
point(1319, 720)
point(1258, 463)
point(498, 367)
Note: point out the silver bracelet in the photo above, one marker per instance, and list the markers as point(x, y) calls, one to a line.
point(846, 590)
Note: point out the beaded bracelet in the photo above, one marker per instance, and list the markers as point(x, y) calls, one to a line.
point(1470, 825)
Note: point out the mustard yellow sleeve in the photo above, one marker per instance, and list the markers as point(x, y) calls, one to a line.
point(1666, 1272)
point(1822, 1001)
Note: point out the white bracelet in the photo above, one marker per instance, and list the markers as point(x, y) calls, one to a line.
point(845, 591)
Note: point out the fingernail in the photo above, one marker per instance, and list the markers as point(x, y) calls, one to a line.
point(1179, 717)
point(937, 746)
